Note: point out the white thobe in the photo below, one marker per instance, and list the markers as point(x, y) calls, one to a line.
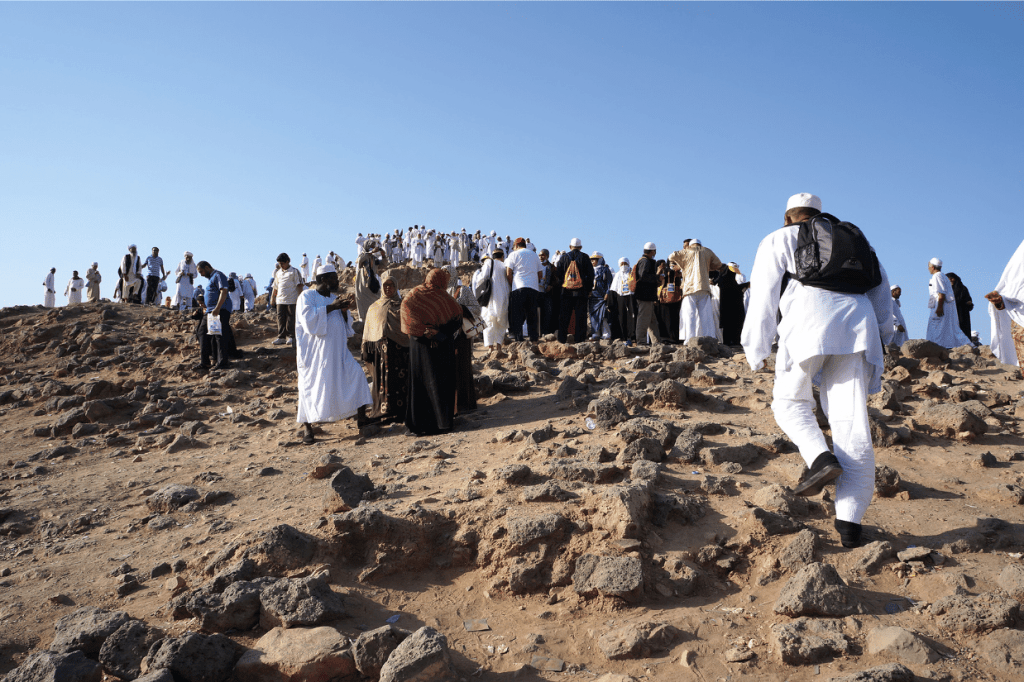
point(332, 385)
point(495, 313)
point(698, 316)
point(50, 295)
point(316, 265)
point(827, 338)
point(419, 252)
point(249, 291)
point(236, 295)
point(1011, 288)
point(944, 330)
point(92, 285)
point(184, 289)
point(74, 290)
point(305, 268)
point(359, 245)
point(898, 337)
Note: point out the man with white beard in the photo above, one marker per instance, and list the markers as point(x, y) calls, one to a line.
point(332, 385)
point(92, 283)
point(50, 296)
point(304, 267)
point(74, 288)
point(943, 322)
point(835, 320)
point(185, 277)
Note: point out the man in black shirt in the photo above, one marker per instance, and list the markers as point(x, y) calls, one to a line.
point(575, 294)
point(646, 294)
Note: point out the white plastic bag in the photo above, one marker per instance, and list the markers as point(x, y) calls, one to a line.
point(213, 325)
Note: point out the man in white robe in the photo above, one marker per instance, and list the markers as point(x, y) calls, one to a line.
point(304, 267)
point(827, 338)
point(899, 325)
point(236, 295)
point(943, 322)
point(185, 277)
point(133, 284)
point(74, 288)
point(50, 294)
point(332, 385)
point(1006, 310)
point(495, 313)
point(697, 314)
point(92, 283)
point(249, 290)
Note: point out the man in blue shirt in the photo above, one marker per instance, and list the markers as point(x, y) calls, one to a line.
point(217, 347)
point(156, 272)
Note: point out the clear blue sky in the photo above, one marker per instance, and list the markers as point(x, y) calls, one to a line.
point(240, 130)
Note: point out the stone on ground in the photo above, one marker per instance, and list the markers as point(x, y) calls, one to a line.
point(806, 641)
point(423, 656)
point(86, 629)
point(900, 644)
point(817, 590)
point(620, 577)
point(194, 657)
point(638, 640)
point(122, 653)
point(297, 655)
point(299, 601)
point(48, 666)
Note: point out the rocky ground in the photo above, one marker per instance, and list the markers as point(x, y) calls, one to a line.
point(604, 514)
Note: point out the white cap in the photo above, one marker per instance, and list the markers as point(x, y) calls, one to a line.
point(695, 241)
point(575, 241)
point(623, 260)
point(493, 232)
point(804, 200)
point(326, 267)
point(894, 287)
point(597, 254)
point(649, 246)
point(936, 262)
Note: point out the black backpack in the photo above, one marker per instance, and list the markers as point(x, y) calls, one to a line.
point(835, 255)
point(231, 285)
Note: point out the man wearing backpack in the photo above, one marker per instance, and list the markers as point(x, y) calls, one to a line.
point(836, 316)
point(645, 292)
point(576, 276)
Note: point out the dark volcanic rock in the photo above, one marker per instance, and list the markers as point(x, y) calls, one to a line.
point(421, 656)
point(620, 577)
point(86, 629)
point(346, 490)
point(47, 666)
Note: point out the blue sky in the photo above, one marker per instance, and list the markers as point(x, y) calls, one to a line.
point(239, 130)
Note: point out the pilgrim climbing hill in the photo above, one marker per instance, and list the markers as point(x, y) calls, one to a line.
point(606, 513)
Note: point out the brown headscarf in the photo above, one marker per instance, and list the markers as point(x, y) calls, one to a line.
point(383, 318)
point(429, 305)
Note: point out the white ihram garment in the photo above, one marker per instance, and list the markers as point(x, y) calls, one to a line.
point(899, 338)
point(332, 385)
point(304, 267)
point(76, 295)
point(184, 289)
point(50, 297)
point(826, 338)
point(944, 330)
point(249, 292)
point(1011, 288)
point(697, 316)
point(495, 313)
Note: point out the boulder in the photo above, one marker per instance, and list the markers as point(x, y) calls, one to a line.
point(887, 481)
point(236, 608)
point(1012, 580)
point(800, 551)
point(67, 422)
point(649, 449)
point(670, 393)
point(893, 672)
point(900, 644)
point(740, 454)
point(638, 640)
point(807, 641)
point(607, 411)
point(345, 490)
point(86, 629)
point(423, 656)
point(283, 548)
point(648, 427)
point(122, 653)
point(817, 590)
point(194, 657)
point(297, 655)
point(919, 349)
point(1004, 649)
point(870, 558)
point(171, 497)
point(765, 523)
point(372, 649)
point(776, 498)
point(975, 615)
point(299, 601)
point(620, 577)
point(951, 421)
point(47, 666)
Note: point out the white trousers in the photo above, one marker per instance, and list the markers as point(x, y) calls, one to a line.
point(844, 396)
point(697, 316)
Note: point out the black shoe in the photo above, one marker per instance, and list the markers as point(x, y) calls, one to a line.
point(849, 533)
point(201, 368)
point(824, 470)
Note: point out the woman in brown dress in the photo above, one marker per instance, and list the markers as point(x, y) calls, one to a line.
point(386, 349)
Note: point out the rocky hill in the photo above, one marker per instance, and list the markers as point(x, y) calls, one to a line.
point(605, 513)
